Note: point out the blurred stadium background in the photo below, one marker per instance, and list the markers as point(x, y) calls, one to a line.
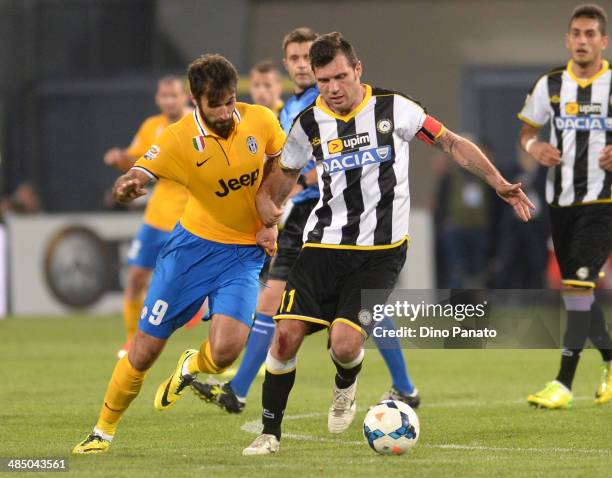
point(79, 76)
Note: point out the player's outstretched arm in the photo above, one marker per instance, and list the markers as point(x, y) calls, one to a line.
point(470, 157)
point(130, 186)
point(273, 192)
point(544, 153)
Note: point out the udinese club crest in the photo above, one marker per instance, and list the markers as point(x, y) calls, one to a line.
point(384, 126)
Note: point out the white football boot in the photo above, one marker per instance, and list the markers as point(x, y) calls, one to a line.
point(265, 444)
point(343, 408)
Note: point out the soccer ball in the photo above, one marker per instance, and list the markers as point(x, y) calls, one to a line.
point(391, 428)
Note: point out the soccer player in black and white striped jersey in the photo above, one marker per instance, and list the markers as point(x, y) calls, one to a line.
point(356, 236)
point(577, 101)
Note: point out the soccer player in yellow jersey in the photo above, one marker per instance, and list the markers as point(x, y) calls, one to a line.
point(164, 208)
point(218, 154)
point(265, 86)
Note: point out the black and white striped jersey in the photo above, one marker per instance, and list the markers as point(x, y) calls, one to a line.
point(362, 165)
point(580, 117)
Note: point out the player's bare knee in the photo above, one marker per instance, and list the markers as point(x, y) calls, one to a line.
point(285, 345)
point(287, 339)
point(346, 342)
point(144, 350)
point(346, 351)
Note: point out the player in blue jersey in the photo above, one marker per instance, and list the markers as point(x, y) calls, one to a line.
point(231, 395)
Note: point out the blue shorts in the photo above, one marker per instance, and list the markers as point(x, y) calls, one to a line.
point(146, 246)
point(188, 270)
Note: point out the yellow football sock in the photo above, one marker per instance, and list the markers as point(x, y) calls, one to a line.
point(131, 314)
point(123, 387)
point(203, 361)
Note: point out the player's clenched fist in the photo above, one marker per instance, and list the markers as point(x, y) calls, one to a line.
point(545, 154)
point(605, 159)
point(266, 238)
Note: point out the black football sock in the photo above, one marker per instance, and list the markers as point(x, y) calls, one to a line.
point(599, 334)
point(569, 363)
point(275, 393)
point(578, 323)
point(346, 373)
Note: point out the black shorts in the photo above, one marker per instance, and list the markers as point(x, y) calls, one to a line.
point(325, 284)
point(290, 240)
point(582, 236)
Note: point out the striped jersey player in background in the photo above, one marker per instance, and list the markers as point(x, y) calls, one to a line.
point(164, 207)
point(576, 99)
point(356, 237)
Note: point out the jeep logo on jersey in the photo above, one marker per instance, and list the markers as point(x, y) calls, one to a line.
point(357, 159)
point(583, 109)
point(348, 143)
point(236, 183)
point(583, 123)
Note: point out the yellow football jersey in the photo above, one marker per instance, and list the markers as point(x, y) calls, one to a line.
point(168, 199)
point(222, 175)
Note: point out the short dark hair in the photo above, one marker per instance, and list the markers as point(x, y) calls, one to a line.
point(326, 47)
point(211, 75)
point(265, 66)
point(299, 35)
point(590, 10)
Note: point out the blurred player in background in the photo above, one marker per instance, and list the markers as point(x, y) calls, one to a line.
point(265, 86)
point(577, 100)
point(164, 208)
point(356, 237)
point(218, 154)
point(232, 395)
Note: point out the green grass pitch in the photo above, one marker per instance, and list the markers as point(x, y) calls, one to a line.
point(474, 419)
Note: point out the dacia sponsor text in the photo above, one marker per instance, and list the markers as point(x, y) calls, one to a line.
point(583, 123)
point(357, 159)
